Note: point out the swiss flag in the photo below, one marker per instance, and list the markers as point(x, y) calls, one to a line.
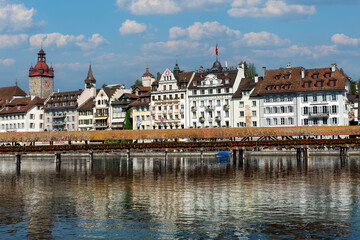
point(217, 50)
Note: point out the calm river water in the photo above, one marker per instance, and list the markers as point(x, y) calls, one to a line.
point(186, 198)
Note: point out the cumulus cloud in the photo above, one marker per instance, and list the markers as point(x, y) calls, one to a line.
point(12, 40)
point(15, 17)
point(144, 7)
point(342, 39)
point(132, 27)
point(262, 39)
point(172, 46)
point(295, 50)
point(60, 40)
point(7, 61)
point(268, 9)
point(199, 30)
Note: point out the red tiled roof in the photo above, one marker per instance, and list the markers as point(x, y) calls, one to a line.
point(63, 100)
point(246, 84)
point(200, 76)
point(7, 93)
point(21, 105)
point(88, 105)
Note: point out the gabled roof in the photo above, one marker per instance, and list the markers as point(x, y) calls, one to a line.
point(291, 77)
point(88, 105)
point(21, 105)
point(7, 93)
point(199, 77)
point(246, 84)
point(62, 100)
point(180, 76)
point(109, 91)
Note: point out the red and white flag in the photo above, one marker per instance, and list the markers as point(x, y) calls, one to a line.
point(216, 50)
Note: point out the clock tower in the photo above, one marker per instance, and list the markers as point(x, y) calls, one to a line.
point(41, 77)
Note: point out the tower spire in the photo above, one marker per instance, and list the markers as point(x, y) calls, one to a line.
point(90, 80)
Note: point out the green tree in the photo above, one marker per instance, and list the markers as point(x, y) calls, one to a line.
point(353, 86)
point(137, 83)
point(250, 70)
point(127, 123)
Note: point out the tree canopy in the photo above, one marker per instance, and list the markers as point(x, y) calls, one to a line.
point(250, 70)
point(137, 83)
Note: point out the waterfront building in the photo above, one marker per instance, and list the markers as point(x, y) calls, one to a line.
point(23, 114)
point(210, 93)
point(61, 111)
point(41, 77)
point(8, 93)
point(244, 108)
point(86, 115)
point(102, 108)
point(169, 99)
point(119, 109)
point(141, 113)
point(295, 96)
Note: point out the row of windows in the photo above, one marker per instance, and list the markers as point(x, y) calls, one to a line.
point(86, 113)
point(143, 118)
point(211, 115)
point(242, 113)
point(243, 124)
point(170, 107)
point(168, 126)
point(279, 121)
point(142, 108)
point(282, 109)
point(168, 117)
point(19, 126)
point(211, 91)
point(241, 104)
point(210, 103)
point(167, 97)
point(68, 119)
point(316, 98)
point(320, 109)
point(210, 125)
point(279, 99)
point(323, 121)
point(85, 121)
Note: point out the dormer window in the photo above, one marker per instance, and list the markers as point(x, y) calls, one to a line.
point(277, 77)
point(306, 85)
point(286, 86)
point(226, 74)
point(319, 83)
point(327, 75)
point(202, 75)
point(332, 83)
point(268, 87)
point(194, 83)
point(286, 76)
point(227, 80)
point(277, 87)
point(315, 75)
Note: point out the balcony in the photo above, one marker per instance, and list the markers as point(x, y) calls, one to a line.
point(101, 114)
point(193, 108)
point(218, 118)
point(182, 110)
point(319, 115)
point(226, 107)
point(209, 108)
point(170, 111)
point(101, 125)
point(202, 119)
point(58, 123)
point(59, 115)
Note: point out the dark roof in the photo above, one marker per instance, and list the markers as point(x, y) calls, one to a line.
point(199, 76)
point(7, 93)
point(352, 97)
point(90, 77)
point(292, 78)
point(109, 91)
point(63, 100)
point(147, 73)
point(121, 101)
point(88, 105)
point(21, 105)
point(246, 84)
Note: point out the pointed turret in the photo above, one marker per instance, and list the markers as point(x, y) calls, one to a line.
point(90, 81)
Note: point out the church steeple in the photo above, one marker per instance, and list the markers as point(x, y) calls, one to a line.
point(90, 81)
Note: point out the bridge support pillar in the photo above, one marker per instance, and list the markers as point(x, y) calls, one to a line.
point(235, 155)
point(17, 159)
point(201, 153)
point(91, 156)
point(344, 152)
point(166, 154)
point(241, 155)
point(128, 154)
point(57, 158)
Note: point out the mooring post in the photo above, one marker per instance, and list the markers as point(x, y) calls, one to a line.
point(128, 154)
point(57, 158)
point(235, 154)
point(91, 156)
point(17, 158)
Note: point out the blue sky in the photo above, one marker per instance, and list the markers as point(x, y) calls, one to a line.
point(120, 38)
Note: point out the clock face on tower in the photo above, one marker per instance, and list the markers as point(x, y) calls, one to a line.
point(47, 83)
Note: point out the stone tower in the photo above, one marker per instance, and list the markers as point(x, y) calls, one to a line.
point(41, 77)
point(147, 78)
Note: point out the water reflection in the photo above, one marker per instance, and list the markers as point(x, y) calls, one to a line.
point(262, 197)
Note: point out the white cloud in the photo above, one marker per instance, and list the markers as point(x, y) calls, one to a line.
point(12, 40)
point(72, 66)
point(198, 31)
point(60, 40)
point(295, 50)
point(15, 17)
point(272, 8)
point(172, 46)
point(168, 7)
point(262, 39)
point(144, 7)
point(342, 39)
point(132, 27)
point(7, 61)
point(93, 42)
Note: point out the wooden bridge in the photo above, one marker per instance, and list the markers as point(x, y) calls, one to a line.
point(233, 139)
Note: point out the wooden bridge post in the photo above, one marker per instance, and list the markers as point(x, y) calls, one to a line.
point(166, 154)
point(201, 153)
point(57, 158)
point(91, 156)
point(241, 155)
point(127, 154)
point(17, 158)
point(298, 154)
point(235, 155)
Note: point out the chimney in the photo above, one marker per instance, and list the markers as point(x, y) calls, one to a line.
point(333, 67)
point(256, 78)
point(7, 100)
point(289, 65)
point(264, 71)
point(302, 73)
